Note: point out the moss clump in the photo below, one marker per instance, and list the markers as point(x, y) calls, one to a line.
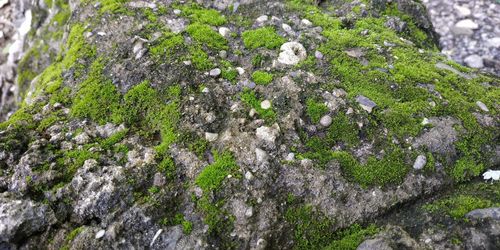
point(205, 16)
point(187, 226)
point(111, 6)
point(74, 159)
point(109, 143)
point(166, 47)
point(203, 34)
point(249, 98)
point(350, 238)
point(315, 109)
point(212, 175)
point(458, 206)
point(465, 168)
point(262, 37)
point(71, 236)
point(262, 78)
point(97, 97)
point(200, 59)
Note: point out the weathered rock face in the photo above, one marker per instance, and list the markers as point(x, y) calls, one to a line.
point(239, 124)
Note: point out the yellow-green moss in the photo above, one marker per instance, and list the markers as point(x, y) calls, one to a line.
point(262, 78)
point(262, 37)
point(212, 175)
point(203, 34)
point(206, 16)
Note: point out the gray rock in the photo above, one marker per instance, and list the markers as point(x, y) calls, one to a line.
point(177, 25)
point(215, 72)
point(266, 104)
point(325, 121)
point(420, 162)
point(366, 103)
point(224, 31)
point(440, 138)
point(474, 61)
point(485, 213)
point(22, 218)
point(374, 244)
point(318, 55)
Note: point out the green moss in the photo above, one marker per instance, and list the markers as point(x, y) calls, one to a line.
point(199, 147)
point(187, 226)
point(63, 15)
point(166, 47)
point(262, 78)
point(109, 143)
point(262, 37)
point(249, 98)
point(111, 6)
point(205, 16)
point(311, 229)
point(72, 235)
point(167, 167)
point(200, 59)
point(352, 237)
point(466, 168)
point(72, 160)
point(203, 34)
point(315, 109)
point(97, 97)
point(218, 220)
point(343, 130)
point(458, 206)
point(212, 175)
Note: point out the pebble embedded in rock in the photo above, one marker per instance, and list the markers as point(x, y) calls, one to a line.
point(240, 70)
point(465, 27)
point(248, 175)
point(425, 121)
point(287, 28)
point(266, 104)
point(215, 72)
point(224, 31)
point(420, 162)
point(267, 134)
point(82, 138)
point(211, 136)
point(306, 22)
point(325, 121)
point(482, 106)
point(3, 2)
point(262, 19)
point(177, 12)
point(292, 53)
point(462, 10)
point(474, 61)
point(366, 103)
point(318, 55)
point(100, 234)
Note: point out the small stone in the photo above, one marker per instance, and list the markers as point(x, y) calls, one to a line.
point(223, 54)
point(262, 19)
point(3, 2)
point(211, 136)
point(485, 213)
point(349, 111)
point(186, 62)
point(474, 61)
point(224, 31)
point(494, 42)
point(425, 121)
point(252, 112)
point(318, 55)
point(462, 10)
point(101, 33)
point(205, 90)
point(482, 106)
point(467, 24)
point(493, 175)
point(306, 22)
point(292, 53)
point(266, 104)
point(420, 162)
point(177, 12)
point(248, 175)
point(215, 72)
point(260, 155)
point(240, 70)
point(366, 103)
point(268, 134)
point(100, 234)
point(325, 121)
point(82, 138)
point(287, 28)
point(290, 157)
point(159, 179)
point(249, 212)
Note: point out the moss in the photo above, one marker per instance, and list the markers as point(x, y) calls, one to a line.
point(466, 168)
point(218, 220)
point(109, 143)
point(200, 59)
point(262, 78)
point(97, 97)
point(315, 109)
point(111, 6)
point(212, 175)
point(167, 46)
point(72, 160)
point(343, 130)
point(187, 226)
point(199, 147)
point(167, 167)
point(72, 235)
point(228, 71)
point(352, 237)
point(311, 229)
point(249, 98)
point(63, 15)
point(262, 37)
point(458, 206)
point(205, 16)
point(204, 34)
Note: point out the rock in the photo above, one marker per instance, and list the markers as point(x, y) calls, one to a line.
point(493, 175)
point(20, 219)
point(462, 11)
point(318, 55)
point(374, 244)
point(215, 72)
point(159, 179)
point(141, 4)
point(211, 136)
point(482, 106)
point(224, 31)
point(261, 155)
point(261, 19)
point(474, 61)
point(287, 28)
point(440, 138)
point(465, 27)
point(100, 234)
point(268, 134)
point(485, 213)
point(306, 22)
point(494, 42)
point(82, 138)
point(266, 104)
point(366, 103)
point(176, 25)
point(425, 121)
point(240, 70)
point(3, 3)
point(420, 162)
point(325, 121)
point(292, 53)
point(249, 175)
point(177, 11)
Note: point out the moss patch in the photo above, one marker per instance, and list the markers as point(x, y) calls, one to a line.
point(212, 175)
point(203, 34)
point(262, 78)
point(262, 37)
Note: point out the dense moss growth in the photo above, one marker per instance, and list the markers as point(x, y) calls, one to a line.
point(262, 37)
point(166, 47)
point(212, 175)
point(249, 98)
point(261, 77)
point(201, 15)
point(315, 109)
point(203, 34)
